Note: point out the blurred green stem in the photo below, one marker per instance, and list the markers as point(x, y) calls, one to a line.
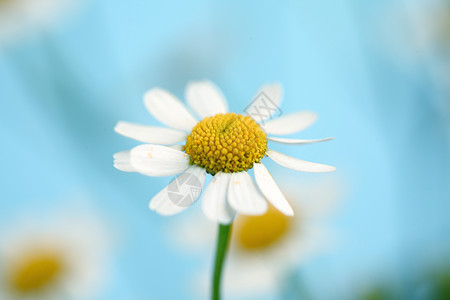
point(222, 246)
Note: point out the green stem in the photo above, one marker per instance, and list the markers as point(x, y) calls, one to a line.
point(222, 245)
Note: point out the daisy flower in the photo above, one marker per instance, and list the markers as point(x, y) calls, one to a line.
point(264, 249)
point(59, 258)
point(223, 144)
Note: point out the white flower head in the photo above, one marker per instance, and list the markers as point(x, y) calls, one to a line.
point(224, 145)
point(265, 249)
point(59, 257)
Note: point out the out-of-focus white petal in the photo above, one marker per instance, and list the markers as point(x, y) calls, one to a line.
point(244, 196)
point(206, 99)
point(266, 102)
point(156, 160)
point(122, 161)
point(274, 91)
point(167, 109)
point(181, 193)
point(291, 123)
point(162, 204)
point(150, 134)
point(214, 202)
point(270, 189)
point(296, 141)
point(298, 164)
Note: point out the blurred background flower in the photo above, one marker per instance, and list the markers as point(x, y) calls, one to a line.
point(266, 250)
point(383, 94)
point(62, 255)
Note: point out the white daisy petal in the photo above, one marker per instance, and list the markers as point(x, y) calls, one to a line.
point(296, 141)
point(266, 102)
point(214, 202)
point(150, 134)
point(122, 161)
point(177, 147)
point(270, 189)
point(205, 98)
point(180, 193)
point(156, 160)
point(166, 108)
point(297, 164)
point(275, 93)
point(244, 196)
point(162, 204)
point(291, 123)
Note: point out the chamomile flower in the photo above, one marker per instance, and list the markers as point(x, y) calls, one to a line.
point(62, 257)
point(223, 144)
point(265, 249)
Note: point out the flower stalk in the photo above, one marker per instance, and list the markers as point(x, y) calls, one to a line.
point(223, 239)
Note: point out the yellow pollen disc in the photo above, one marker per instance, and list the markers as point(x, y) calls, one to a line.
point(260, 232)
point(226, 143)
point(35, 272)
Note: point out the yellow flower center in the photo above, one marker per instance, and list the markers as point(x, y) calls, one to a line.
point(35, 272)
point(260, 232)
point(226, 143)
